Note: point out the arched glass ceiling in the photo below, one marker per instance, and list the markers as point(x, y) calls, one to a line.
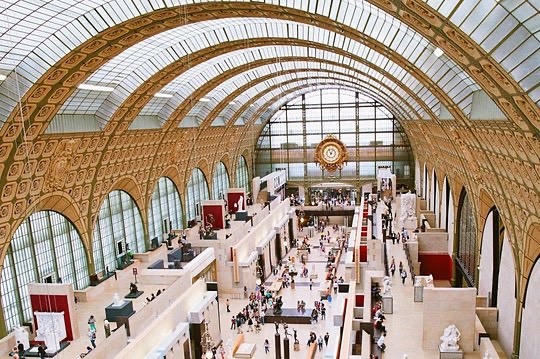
point(401, 108)
point(200, 75)
point(247, 114)
point(508, 30)
point(274, 107)
point(229, 111)
point(277, 86)
point(37, 35)
point(201, 109)
point(442, 70)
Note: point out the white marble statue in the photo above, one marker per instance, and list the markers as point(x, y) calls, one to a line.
point(51, 329)
point(117, 301)
point(387, 286)
point(408, 205)
point(21, 335)
point(450, 338)
point(422, 280)
point(241, 203)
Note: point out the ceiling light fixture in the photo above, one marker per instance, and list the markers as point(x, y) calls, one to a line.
point(163, 95)
point(95, 88)
point(204, 99)
point(232, 103)
point(438, 52)
point(2, 77)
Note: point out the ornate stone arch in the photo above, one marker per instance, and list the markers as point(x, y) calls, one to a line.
point(57, 201)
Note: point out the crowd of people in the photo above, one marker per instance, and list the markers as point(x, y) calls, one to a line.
point(251, 317)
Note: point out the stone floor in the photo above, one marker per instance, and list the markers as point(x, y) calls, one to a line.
point(315, 264)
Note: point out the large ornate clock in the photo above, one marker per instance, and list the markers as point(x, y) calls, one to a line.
point(331, 154)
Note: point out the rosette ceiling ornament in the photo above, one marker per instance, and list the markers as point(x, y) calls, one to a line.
point(331, 154)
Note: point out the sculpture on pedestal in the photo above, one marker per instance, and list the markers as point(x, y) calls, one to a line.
point(387, 283)
point(51, 329)
point(240, 203)
point(117, 301)
point(21, 336)
point(450, 338)
point(422, 280)
point(408, 210)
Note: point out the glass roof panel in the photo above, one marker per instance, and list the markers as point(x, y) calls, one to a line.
point(246, 96)
point(40, 33)
point(116, 69)
point(184, 85)
point(499, 26)
point(293, 97)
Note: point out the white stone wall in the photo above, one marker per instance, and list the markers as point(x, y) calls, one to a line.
point(445, 306)
point(485, 280)
point(506, 302)
point(451, 222)
point(530, 325)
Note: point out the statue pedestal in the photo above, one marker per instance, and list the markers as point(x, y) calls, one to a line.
point(114, 311)
point(410, 224)
point(418, 293)
point(241, 216)
point(450, 354)
point(388, 304)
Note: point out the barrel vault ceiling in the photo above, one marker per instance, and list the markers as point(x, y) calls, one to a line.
point(190, 83)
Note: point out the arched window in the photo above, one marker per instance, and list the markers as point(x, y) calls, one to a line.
point(242, 175)
point(466, 253)
point(196, 192)
point(118, 229)
point(165, 205)
point(45, 248)
point(220, 182)
point(372, 135)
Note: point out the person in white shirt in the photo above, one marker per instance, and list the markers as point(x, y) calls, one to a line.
point(380, 342)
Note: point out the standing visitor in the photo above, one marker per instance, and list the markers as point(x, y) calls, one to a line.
point(92, 337)
point(266, 346)
point(92, 323)
point(403, 276)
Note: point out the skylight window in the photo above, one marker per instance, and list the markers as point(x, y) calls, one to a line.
point(91, 87)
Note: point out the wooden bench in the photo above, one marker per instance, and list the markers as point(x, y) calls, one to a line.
point(239, 340)
point(245, 351)
point(275, 287)
point(312, 351)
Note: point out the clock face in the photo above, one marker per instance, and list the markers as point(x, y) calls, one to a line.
point(330, 153)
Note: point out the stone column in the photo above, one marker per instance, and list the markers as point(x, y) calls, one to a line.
point(286, 348)
point(277, 346)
